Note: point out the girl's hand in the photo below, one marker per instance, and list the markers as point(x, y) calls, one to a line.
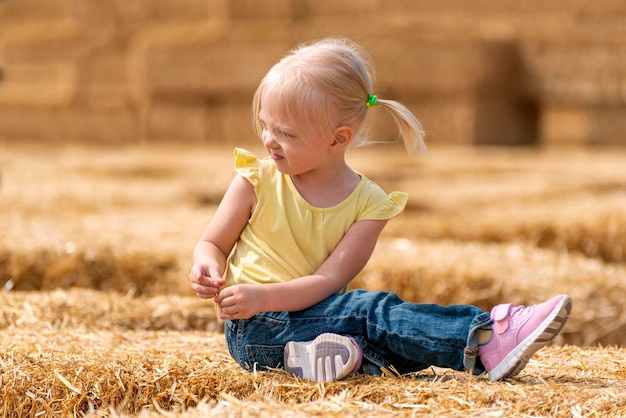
point(206, 280)
point(240, 301)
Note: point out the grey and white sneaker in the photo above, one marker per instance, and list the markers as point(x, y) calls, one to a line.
point(328, 357)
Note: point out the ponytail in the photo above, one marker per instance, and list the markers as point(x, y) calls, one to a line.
point(410, 128)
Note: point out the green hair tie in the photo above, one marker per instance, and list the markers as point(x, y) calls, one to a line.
point(372, 100)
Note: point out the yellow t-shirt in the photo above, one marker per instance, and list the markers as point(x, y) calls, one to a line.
point(286, 237)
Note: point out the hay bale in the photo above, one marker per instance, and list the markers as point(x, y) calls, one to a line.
point(84, 308)
point(147, 374)
point(46, 269)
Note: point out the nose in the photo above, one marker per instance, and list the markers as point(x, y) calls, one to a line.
point(269, 140)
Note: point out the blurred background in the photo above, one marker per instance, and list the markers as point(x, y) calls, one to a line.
point(489, 72)
point(523, 102)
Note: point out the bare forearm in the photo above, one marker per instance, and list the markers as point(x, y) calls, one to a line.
point(206, 252)
point(298, 294)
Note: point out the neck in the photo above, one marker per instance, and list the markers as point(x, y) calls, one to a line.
point(326, 188)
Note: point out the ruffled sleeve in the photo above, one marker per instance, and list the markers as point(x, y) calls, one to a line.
point(387, 208)
point(247, 165)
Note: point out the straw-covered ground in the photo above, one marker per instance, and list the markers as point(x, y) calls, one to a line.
point(96, 316)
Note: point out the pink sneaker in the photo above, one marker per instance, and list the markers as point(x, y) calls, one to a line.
point(328, 357)
point(519, 332)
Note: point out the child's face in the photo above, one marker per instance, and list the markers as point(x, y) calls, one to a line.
point(295, 147)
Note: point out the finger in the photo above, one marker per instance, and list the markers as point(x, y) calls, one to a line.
point(205, 295)
point(197, 275)
point(229, 315)
point(217, 282)
point(205, 292)
point(229, 311)
point(193, 275)
point(214, 272)
point(221, 297)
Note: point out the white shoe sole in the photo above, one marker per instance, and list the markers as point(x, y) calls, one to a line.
point(328, 357)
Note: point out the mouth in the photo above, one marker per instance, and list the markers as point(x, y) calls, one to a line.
point(275, 157)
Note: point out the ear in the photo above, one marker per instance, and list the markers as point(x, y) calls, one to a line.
point(343, 137)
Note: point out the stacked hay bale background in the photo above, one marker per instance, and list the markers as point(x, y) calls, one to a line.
point(117, 122)
point(502, 72)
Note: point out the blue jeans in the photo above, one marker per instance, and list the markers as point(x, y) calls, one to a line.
point(389, 331)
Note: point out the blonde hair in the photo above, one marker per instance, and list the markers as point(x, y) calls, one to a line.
point(328, 83)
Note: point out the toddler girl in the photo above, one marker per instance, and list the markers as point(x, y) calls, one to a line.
point(294, 228)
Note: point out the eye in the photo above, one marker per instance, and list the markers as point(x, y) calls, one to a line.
point(286, 134)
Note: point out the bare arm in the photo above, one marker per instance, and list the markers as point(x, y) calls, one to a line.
point(219, 238)
point(346, 261)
